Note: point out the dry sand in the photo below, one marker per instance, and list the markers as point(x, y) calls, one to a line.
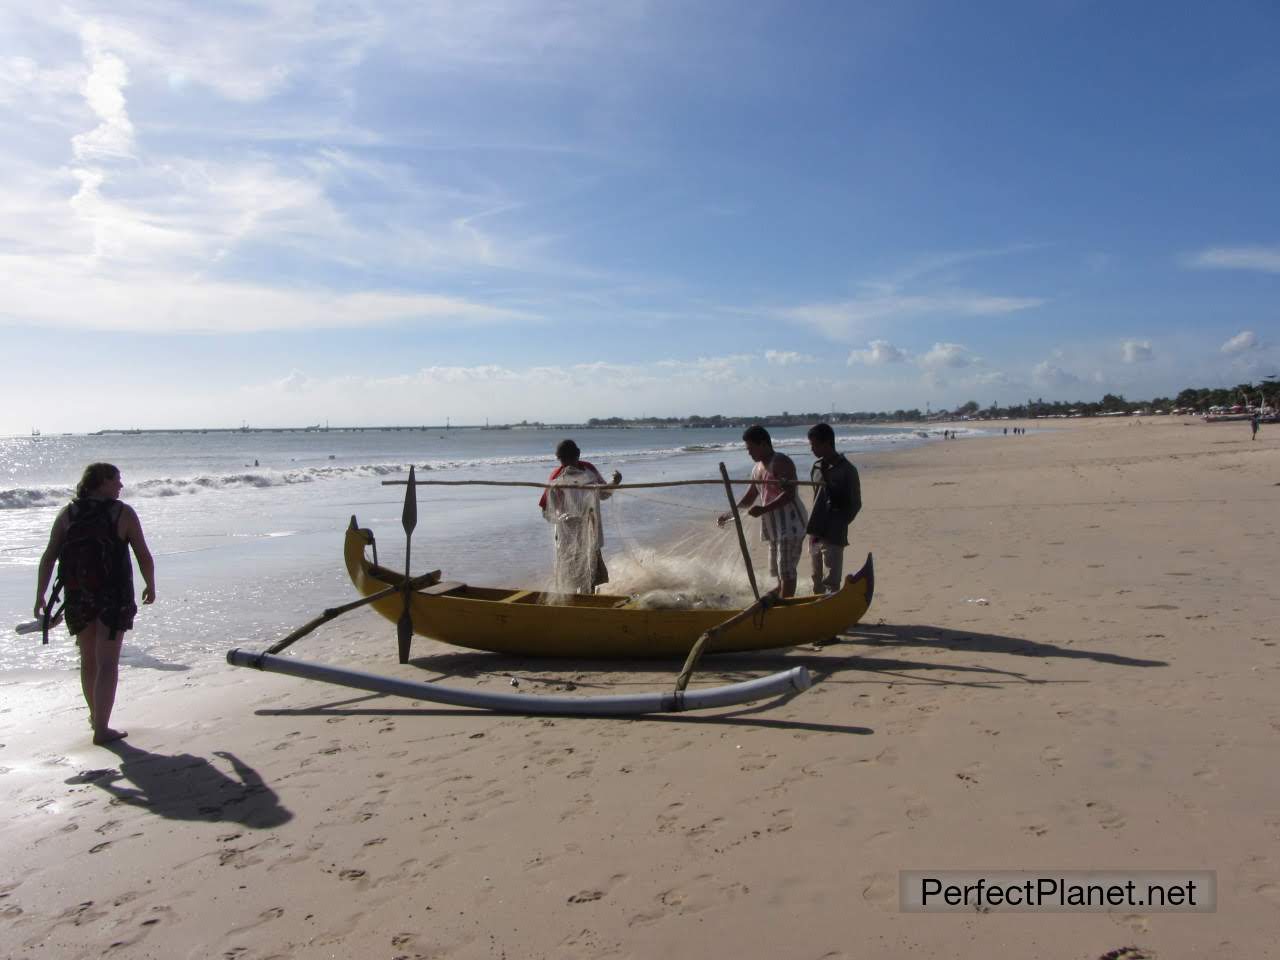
point(1112, 705)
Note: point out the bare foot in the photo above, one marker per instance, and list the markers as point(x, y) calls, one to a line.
point(107, 735)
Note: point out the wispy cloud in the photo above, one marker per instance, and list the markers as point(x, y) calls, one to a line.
point(929, 287)
point(787, 358)
point(1050, 375)
point(70, 295)
point(1242, 342)
point(847, 319)
point(1263, 259)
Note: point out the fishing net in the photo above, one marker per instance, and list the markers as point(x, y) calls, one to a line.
point(574, 513)
point(666, 550)
point(669, 553)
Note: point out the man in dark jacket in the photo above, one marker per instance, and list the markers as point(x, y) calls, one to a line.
point(835, 504)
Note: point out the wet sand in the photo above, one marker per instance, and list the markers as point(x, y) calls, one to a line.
point(1071, 663)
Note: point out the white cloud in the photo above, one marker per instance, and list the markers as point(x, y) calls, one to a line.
point(103, 90)
point(1136, 351)
point(1241, 342)
point(725, 369)
point(1264, 259)
point(951, 355)
point(68, 294)
point(846, 319)
point(878, 353)
point(1051, 375)
point(787, 358)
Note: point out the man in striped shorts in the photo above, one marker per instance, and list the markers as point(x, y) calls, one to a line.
point(782, 515)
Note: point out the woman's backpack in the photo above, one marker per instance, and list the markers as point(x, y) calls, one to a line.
point(87, 561)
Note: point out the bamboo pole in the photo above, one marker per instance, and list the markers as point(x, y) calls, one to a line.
point(742, 539)
point(691, 662)
point(332, 612)
point(585, 486)
point(794, 680)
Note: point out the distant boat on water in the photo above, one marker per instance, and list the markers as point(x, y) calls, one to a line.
point(35, 435)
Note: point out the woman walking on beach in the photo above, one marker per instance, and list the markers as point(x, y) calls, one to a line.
point(90, 542)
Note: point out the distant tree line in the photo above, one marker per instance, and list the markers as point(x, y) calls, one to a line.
point(1195, 400)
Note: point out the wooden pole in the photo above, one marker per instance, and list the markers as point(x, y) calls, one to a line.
point(585, 486)
point(422, 581)
point(762, 604)
point(408, 520)
point(742, 538)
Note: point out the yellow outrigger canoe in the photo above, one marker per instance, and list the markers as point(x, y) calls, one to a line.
point(530, 623)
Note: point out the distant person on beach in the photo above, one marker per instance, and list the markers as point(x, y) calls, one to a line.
point(835, 503)
point(782, 515)
point(90, 542)
point(1253, 425)
point(579, 536)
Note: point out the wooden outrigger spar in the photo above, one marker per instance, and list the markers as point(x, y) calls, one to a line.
point(530, 623)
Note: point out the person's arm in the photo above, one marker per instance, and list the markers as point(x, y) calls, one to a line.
point(613, 482)
point(146, 563)
point(44, 572)
point(748, 498)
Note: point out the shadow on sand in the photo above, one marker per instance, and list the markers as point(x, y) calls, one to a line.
point(919, 635)
point(187, 787)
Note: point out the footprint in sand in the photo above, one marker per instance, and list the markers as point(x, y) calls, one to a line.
point(1036, 829)
point(667, 819)
point(704, 828)
point(1108, 817)
point(99, 847)
point(586, 896)
point(1051, 756)
point(917, 809)
point(1138, 924)
point(780, 822)
point(879, 888)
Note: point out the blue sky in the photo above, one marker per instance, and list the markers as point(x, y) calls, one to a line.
point(283, 212)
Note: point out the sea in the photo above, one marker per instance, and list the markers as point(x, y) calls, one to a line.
point(247, 527)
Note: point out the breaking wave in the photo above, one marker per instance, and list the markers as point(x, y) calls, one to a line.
point(24, 498)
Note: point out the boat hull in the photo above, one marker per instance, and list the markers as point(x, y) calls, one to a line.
point(524, 623)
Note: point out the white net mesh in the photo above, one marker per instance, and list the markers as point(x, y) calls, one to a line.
point(575, 514)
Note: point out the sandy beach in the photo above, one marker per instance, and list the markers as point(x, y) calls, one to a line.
point(1071, 662)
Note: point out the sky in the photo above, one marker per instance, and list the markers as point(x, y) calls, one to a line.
point(287, 212)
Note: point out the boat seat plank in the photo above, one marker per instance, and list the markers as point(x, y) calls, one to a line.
point(518, 596)
point(448, 586)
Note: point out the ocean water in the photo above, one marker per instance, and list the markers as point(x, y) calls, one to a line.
point(247, 527)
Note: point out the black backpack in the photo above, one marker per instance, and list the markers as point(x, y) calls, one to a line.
point(89, 554)
point(87, 561)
